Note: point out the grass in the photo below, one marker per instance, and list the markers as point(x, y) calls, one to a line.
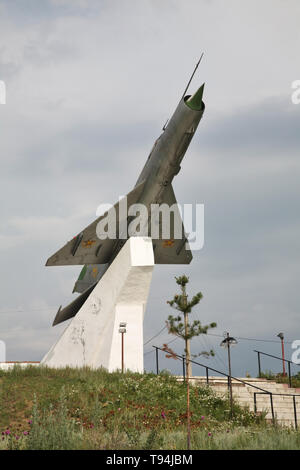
point(43, 408)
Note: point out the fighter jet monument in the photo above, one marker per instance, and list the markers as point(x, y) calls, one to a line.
point(99, 256)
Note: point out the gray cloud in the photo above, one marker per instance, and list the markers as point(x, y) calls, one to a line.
point(90, 85)
point(270, 126)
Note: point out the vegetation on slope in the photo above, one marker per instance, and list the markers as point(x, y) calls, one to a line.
point(282, 379)
point(42, 408)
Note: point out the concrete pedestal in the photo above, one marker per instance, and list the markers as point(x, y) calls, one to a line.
point(92, 338)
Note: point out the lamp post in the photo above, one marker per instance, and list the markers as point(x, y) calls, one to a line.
point(281, 336)
point(226, 343)
point(122, 330)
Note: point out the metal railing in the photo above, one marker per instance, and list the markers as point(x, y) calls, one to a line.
point(292, 395)
point(229, 378)
point(275, 357)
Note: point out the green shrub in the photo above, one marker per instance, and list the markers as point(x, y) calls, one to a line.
point(52, 429)
point(280, 378)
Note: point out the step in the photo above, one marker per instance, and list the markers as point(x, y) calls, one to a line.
point(243, 394)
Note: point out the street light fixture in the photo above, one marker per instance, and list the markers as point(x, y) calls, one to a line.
point(281, 336)
point(227, 343)
point(122, 330)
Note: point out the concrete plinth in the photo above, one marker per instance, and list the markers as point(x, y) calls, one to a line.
point(92, 338)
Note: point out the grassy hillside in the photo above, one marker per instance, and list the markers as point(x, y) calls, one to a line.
point(42, 408)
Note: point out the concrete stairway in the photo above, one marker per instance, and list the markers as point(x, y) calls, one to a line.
point(244, 395)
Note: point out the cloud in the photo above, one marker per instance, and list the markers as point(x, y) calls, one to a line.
point(89, 86)
point(265, 129)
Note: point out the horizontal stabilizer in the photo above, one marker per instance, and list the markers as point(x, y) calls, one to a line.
point(70, 310)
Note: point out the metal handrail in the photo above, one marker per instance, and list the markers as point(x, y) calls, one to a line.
point(293, 395)
point(284, 394)
point(211, 368)
point(262, 391)
point(276, 357)
point(280, 359)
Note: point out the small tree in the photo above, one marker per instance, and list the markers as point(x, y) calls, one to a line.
point(183, 329)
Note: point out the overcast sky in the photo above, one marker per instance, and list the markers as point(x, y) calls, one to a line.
point(89, 86)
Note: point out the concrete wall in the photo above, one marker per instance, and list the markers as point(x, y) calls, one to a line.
point(11, 365)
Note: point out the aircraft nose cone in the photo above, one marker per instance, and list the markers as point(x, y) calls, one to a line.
point(195, 101)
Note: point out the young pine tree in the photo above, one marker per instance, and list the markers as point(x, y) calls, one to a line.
point(179, 325)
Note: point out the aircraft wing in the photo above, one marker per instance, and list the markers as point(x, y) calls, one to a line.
point(172, 250)
point(86, 247)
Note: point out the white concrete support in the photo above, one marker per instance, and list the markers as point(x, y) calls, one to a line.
point(92, 338)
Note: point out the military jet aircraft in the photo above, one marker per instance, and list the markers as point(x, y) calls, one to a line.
point(154, 186)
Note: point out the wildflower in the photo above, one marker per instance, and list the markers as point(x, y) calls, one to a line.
point(25, 433)
point(209, 434)
point(202, 417)
point(30, 421)
point(7, 432)
point(91, 425)
point(163, 415)
point(17, 437)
